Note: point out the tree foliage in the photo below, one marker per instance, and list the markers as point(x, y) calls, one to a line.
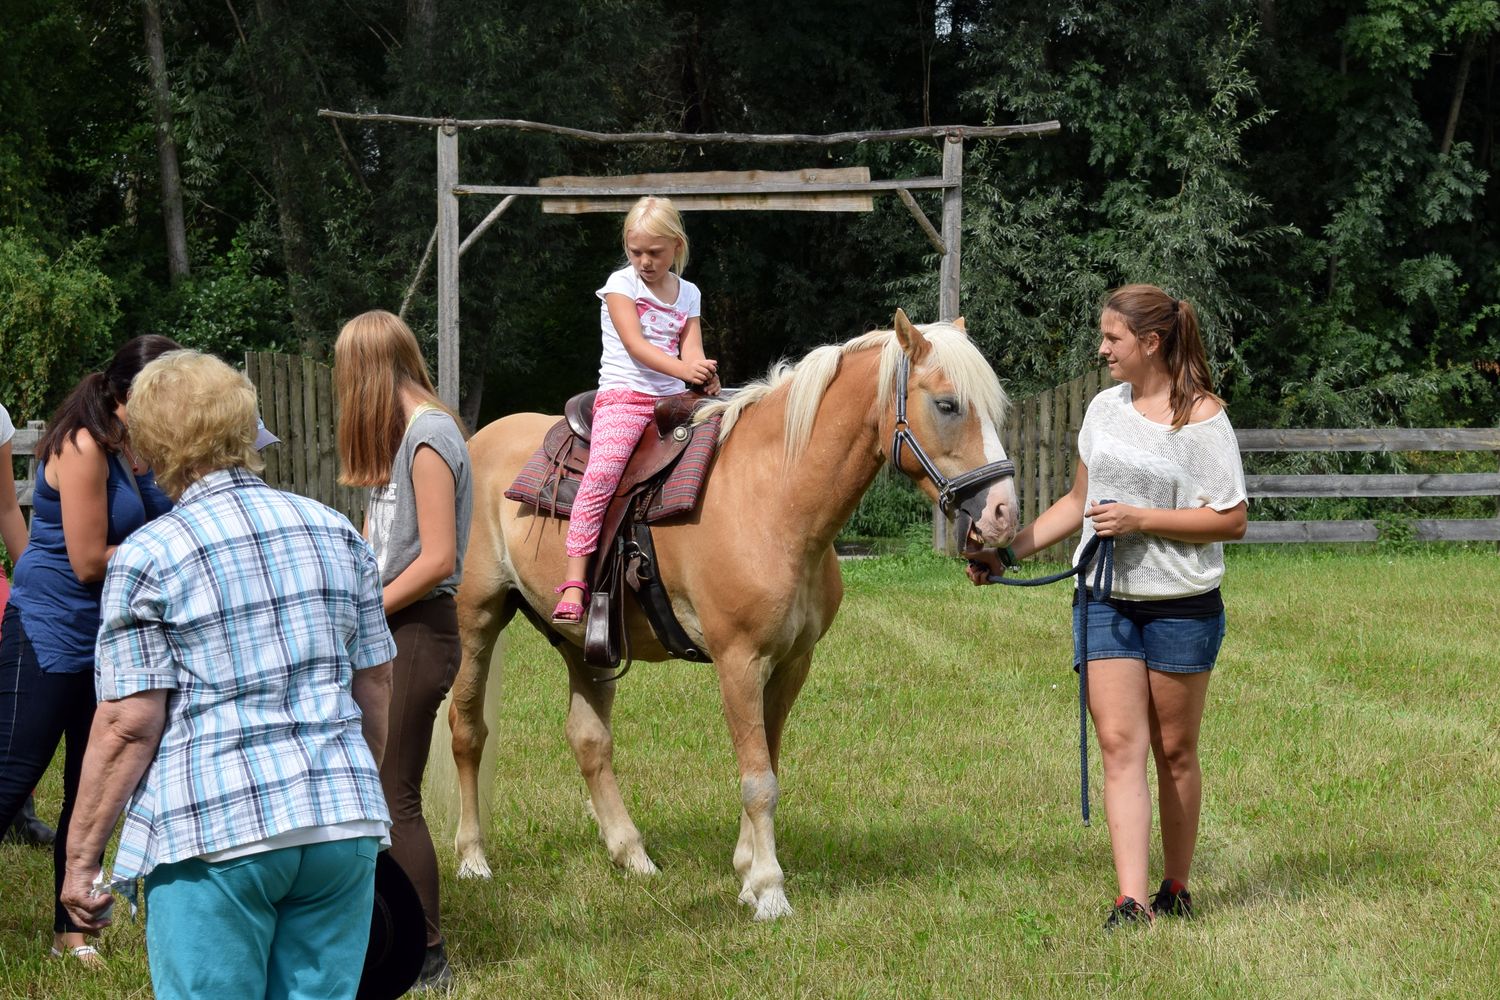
point(1319, 178)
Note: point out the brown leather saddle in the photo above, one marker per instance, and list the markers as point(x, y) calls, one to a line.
point(663, 478)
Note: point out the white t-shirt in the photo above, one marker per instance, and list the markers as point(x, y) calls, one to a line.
point(662, 323)
point(7, 429)
point(1145, 464)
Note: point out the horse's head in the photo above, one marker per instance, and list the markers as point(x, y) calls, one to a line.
point(944, 426)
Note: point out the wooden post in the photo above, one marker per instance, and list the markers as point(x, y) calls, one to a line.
point(953, 203)
point(447, 270)
point(953, 200)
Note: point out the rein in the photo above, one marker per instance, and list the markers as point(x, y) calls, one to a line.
point(1102, 584)
point(949, 490)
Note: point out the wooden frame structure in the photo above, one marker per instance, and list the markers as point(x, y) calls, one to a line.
point(450, 244)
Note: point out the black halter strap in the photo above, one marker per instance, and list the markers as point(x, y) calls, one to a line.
point(951, 492)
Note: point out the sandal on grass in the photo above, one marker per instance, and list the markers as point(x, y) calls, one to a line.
point(570, 612)
point(87, 955)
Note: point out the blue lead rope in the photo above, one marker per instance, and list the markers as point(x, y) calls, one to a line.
point(1101, 585)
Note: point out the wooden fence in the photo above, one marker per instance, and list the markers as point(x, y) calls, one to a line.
point(23, 446)
point(1041, 437)
point(296, 402)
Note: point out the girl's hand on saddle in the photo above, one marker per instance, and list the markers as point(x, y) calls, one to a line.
point(983, 564)
point(699, 373)
point(1111, 520)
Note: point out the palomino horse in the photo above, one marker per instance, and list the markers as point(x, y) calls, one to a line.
point(752, 572)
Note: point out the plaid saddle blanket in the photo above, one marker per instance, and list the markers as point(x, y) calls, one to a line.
point(668, 469)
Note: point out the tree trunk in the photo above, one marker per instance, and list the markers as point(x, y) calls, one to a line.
point(278, 67)
point(1464, 62)
point(166, 146)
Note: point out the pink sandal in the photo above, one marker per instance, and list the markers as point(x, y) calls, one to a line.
point(570, 612)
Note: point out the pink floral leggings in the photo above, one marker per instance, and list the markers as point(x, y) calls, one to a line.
point(620, 417)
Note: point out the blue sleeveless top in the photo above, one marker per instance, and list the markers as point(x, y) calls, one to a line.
point(60, 612)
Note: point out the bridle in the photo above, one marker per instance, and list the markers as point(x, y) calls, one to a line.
point(954, 494)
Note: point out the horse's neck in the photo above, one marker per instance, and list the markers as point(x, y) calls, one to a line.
point(820, 490)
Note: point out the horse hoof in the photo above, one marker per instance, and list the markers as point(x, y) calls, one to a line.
point(772, 905)
point(474, 867)
point(638, 863)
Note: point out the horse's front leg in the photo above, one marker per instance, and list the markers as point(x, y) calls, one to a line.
point(742, 685)
point(589, 705)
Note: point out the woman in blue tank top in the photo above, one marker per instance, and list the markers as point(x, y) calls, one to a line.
point(89, 495)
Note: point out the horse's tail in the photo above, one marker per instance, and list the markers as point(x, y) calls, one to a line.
point(440, 783)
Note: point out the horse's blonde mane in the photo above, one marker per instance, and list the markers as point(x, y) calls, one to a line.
point(806, 381)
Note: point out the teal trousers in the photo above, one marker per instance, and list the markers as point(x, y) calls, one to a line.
point(290, 924)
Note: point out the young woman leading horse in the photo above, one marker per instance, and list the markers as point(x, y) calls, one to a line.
point(797, 452)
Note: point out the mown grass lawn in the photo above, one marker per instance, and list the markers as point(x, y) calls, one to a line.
point(929, 819)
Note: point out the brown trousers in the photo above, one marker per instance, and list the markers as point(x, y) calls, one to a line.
point(427, 658)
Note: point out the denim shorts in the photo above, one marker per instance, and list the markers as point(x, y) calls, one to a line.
point(1170, 645)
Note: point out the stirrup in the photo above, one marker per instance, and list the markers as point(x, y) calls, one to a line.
point(570, 612)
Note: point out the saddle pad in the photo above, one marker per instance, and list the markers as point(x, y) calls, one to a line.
point(549, 479)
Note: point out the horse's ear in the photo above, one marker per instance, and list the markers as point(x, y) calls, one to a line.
point(960, 324)
point(912, 342)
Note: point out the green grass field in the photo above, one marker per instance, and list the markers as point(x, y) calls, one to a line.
point(929, 824)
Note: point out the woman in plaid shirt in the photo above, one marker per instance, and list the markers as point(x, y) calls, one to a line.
point(243, 680)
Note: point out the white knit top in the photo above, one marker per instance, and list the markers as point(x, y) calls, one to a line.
point(1145, 464)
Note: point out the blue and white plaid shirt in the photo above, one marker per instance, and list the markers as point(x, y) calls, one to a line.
point(254, 608)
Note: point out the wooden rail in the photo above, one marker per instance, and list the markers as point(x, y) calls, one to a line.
point(1042, 433)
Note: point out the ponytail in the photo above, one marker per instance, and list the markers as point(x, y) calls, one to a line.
point(1148, 309)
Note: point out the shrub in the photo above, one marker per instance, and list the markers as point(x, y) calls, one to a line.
point(56, 319)
point(889, 509)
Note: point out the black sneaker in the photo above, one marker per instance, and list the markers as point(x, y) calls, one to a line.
point(1172, 900)
point(1126, 911)
point(436, 973)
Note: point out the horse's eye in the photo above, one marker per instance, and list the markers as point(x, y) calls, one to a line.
point(947, 406)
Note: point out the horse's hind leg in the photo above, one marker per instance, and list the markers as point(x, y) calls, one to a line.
point(480, 624)
point(589, 704)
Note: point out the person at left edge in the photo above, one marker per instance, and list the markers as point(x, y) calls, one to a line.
point(244, 684)
point(92, 490)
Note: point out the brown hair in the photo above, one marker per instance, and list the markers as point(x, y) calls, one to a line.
point(1147, 309)
point(90, 407)
point(375, 357)
point(191, 414)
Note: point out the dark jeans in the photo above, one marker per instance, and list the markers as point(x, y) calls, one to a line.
point(37, 709)
point(427, 658)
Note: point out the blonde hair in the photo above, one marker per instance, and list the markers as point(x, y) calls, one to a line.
point(191, 414)
point(375, 357)
point(658, 217)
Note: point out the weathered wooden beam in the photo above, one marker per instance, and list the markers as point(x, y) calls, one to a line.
point(922, 220)
point(953, 211)
point(485, 223)
point(447, 273)
point(416, 280)
point(1310, 531)
point(1461, 484)
point(1423, 529)
point(711, 138)
point(1371, 439)
point(675, 190)
point(789, 195)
